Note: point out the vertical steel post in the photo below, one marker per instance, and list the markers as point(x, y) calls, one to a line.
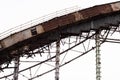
point(16, 69)
point(57, 60)
point(98, 63)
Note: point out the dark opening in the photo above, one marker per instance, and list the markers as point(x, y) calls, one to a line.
point(33, 31)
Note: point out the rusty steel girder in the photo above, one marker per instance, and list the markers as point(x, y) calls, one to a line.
point(42, 34)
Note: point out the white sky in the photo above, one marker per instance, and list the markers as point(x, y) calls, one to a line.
point(16, 12)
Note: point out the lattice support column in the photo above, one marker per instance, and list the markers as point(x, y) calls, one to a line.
point(98, 59)
point(57, 60)
point(16, 69)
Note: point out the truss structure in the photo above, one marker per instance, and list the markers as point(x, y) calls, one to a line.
point(46, 46)
point(55, 55)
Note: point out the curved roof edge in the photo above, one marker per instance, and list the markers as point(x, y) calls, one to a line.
point(24, 38)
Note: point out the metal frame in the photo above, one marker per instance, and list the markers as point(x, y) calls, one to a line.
point(53, 56)
point(98, 58)
point(84, 27)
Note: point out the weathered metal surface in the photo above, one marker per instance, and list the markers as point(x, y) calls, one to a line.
point(0, 46)
point(58, 22)
point(73, 23)
point(51, 24)
point(115, 6)
point(78, 16)
point(97, 10)
point(67, 19)
point(15, 38)
point(39, 29)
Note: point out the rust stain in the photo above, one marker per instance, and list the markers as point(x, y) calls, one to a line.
point(67, 19)
point(94, 11)
point(51, 24)
point(0, 46)
point(78, 16)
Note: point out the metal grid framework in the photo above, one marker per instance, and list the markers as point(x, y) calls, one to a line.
point(51, 54)
point(78, 34)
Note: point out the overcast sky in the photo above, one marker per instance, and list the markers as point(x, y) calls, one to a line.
point(16, 12)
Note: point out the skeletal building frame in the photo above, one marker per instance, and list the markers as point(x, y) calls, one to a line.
point(55, 50)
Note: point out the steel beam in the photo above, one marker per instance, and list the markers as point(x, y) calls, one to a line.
point(57, 60)
point(98, 63)
point(16, 69)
